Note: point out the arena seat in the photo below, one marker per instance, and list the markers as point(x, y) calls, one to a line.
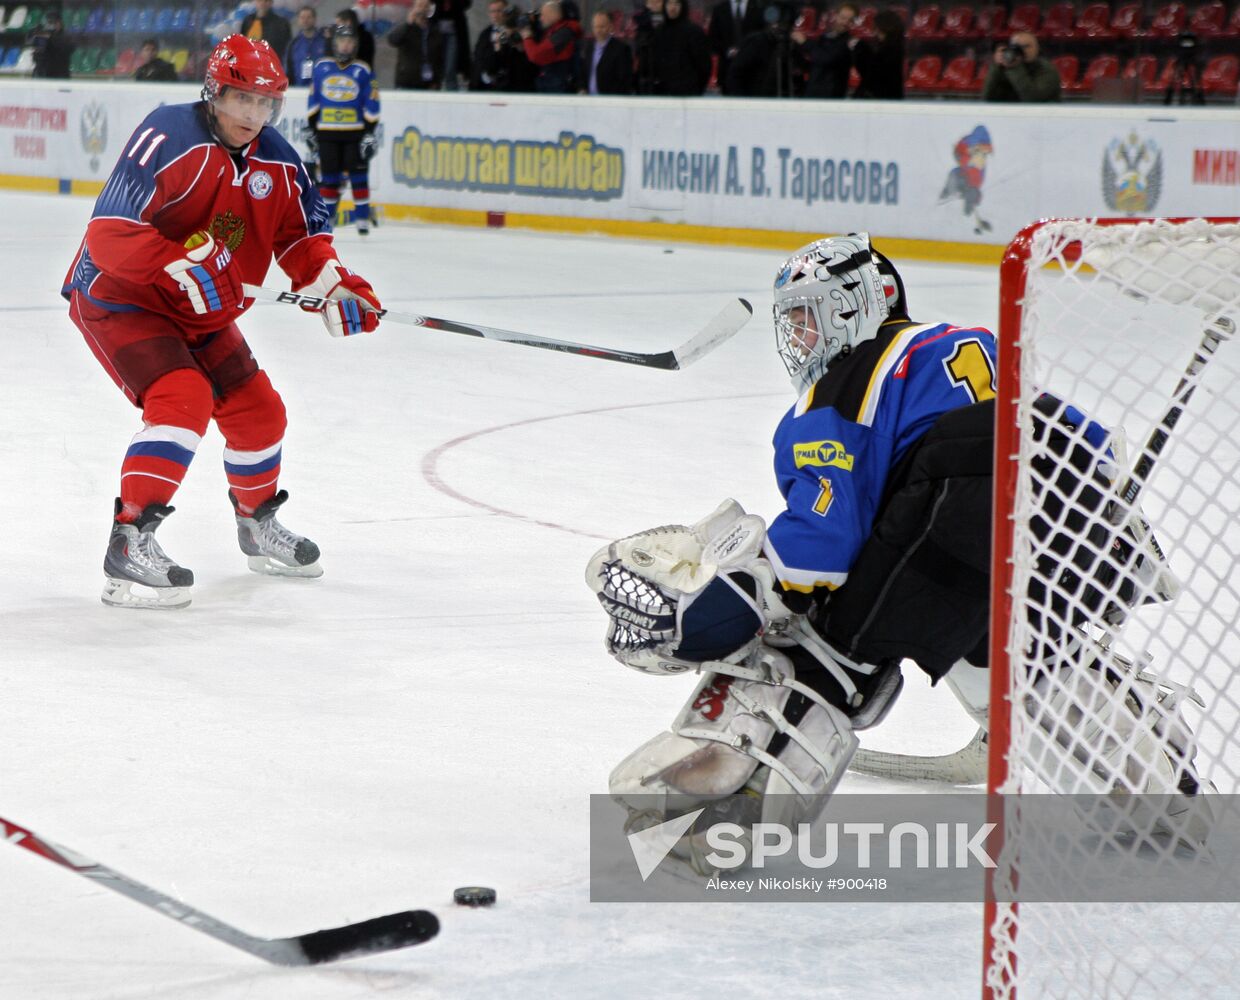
point(991, 22)
point(1094, 24)
point(925, 23)
point(924, 76)
point(1059, 22)
point(1127, 21)
point(1208, 20)
point(960, 76)
point(1102, 67)
point(1221, 76)
point(958, 23)
point(1143, 68)
point(1069, 67)
point(1025, 17)
point(1168, 21)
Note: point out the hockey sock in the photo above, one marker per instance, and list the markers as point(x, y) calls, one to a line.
point(252, 420)
point(329, 191)
point(175, 409)
point(360, 185)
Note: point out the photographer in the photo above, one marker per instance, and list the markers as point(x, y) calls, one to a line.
point(419, 50)
point(1018, 73)
point(766, 65)
point(554, 51)
point(52, 50)
point(499, 61)
point(828, 57)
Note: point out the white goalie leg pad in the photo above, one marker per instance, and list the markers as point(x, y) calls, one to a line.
point(971, 686)
point(1110, 729)
point(718, 747)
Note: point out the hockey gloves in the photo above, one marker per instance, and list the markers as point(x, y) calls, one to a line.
point(353, 306)
point(368, 147)
point(205, 276)
point(310, 136)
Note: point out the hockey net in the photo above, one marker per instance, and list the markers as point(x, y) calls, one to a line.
point(1115, 650)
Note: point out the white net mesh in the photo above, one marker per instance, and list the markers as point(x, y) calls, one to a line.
point(1123, 667)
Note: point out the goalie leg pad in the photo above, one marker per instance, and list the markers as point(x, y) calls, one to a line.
point(971, 686)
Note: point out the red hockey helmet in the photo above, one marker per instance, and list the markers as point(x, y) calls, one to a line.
point(249, 65)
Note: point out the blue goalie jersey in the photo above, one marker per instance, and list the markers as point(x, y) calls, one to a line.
point(344, 98)
point(836, 447)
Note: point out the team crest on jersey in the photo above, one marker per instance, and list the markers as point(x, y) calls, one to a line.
point(228, 230)
point(340, 88)
point(260, 184)
point(822, 453)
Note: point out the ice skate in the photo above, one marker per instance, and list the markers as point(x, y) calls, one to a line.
point(135, 560)
point(270, 546)
point(363, 227)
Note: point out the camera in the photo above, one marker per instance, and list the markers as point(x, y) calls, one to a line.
point(1011, 55)
point(524, 19)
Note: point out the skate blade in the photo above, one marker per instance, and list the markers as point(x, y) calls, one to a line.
point(273, 567)
point(121, 594)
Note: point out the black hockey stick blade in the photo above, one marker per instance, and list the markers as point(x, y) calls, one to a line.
point(396, 930)
point(727, 323)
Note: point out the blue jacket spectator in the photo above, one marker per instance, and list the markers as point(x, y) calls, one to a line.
point(308, 46)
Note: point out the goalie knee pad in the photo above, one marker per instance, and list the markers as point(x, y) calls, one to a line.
point(764, 735)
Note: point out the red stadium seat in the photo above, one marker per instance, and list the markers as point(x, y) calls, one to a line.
point(924, 75)
point(1232, 29)
point(958, 23)
point(1168, 21)
point(1099, 68)
point(1127, 21)
point(854, 79)
point(960, 76)
point(1143, 68)
point(807, 23)
point(925, 22)
point(1024, 17)
point(863, 27)
point(1069, 70)
point(1208, 20)
point(1221, 76)
point(124, 63)
point(991, 23)
point(1094, 24)
point(1058, 24)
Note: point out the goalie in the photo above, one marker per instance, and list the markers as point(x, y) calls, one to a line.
point(882, 553)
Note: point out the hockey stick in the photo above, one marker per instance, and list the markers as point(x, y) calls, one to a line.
point(967, 766)
point(730, 319)
point(396, 930)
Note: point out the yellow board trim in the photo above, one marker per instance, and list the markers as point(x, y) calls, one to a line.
point(771, 239)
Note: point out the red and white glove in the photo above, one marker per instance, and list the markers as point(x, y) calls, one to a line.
point(205, 276)
point(354, 307)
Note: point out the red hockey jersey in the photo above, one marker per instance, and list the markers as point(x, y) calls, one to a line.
point(174, 179)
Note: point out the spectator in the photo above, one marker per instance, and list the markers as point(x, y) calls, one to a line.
point(270, 27)
point(554, 52)
point(150, 67)
point(419, 56)
point(52, 49)
point(646, 21)
point(681, 53)
point(499, 61)
point(365, 40)
point(448, 18)
point(606, 62)
point(731, 22)
point(1018, 73)
point(880, 63)
point(828, 58)
point(765, 65)
point(307, 47)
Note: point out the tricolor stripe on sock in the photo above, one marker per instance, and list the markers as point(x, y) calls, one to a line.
point(252, 475)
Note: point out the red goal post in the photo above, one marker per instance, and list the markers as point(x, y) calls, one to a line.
point(1104, 293)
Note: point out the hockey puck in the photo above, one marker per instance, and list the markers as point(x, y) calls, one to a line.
point(474, 895)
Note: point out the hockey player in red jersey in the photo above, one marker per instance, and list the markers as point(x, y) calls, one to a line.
point(204, 195)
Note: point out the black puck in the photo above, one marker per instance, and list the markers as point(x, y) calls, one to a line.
point(474, 895)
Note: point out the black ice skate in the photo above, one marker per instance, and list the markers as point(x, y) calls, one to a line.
point(135, 559)
point(271, 547)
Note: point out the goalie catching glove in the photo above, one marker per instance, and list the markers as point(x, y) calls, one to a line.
point(353, 306)
point(679, 596)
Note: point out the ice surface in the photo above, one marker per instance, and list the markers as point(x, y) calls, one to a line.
point(289, 754)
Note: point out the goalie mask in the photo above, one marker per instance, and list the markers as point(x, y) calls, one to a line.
point(831, 296)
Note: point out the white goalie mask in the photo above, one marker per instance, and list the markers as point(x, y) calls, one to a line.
point(830, 296)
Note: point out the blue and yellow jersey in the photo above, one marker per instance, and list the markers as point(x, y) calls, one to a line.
point(836, 447)
point(344, 98)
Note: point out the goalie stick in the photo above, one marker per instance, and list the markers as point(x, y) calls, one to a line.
point(730, 319)
point(396, 930)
